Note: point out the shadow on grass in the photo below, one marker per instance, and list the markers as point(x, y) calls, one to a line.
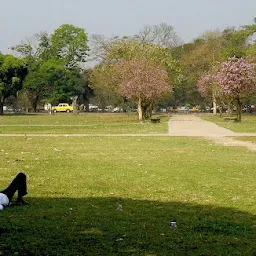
point(114, 226)
point(23, 113)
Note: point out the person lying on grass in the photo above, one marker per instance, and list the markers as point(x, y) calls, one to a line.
point(19, 184)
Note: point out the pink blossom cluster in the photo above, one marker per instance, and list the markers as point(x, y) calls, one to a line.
point(142, 79)
point(237, 77)
point(206, 83)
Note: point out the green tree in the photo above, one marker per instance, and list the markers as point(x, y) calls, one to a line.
point(105, 86)
point(239, 43)
point(69, 43)
point(195, 60)
point(128, 50)
point(53, 62)
point(56, 83)
point(36, 50)
point(12, 74)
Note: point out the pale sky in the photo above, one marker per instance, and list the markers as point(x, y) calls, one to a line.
point(20, 19)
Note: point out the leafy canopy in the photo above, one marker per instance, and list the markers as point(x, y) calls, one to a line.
point(12, 74)
point(142, 79)
point(70, 44)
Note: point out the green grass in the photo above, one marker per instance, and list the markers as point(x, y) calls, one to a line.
point(117, 195)
point(96, 123)
point(245, 138)
point(248, 124)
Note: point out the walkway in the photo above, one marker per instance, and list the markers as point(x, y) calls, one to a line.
point(193, 125)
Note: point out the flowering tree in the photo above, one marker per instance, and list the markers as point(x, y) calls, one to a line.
point(237, 79)
point(208, 86)
point(142, 81)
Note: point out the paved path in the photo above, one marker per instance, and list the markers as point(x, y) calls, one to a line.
point(193, 125)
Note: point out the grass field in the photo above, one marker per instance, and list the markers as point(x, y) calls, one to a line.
point(247, 125)
point(117, 195)
point(245, 138)
point(105, 123)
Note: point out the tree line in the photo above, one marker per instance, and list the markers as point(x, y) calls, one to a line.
point(149, 69)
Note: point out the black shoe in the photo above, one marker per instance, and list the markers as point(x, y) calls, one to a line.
point(20, 201)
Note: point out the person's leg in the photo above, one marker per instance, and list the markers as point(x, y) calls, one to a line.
point(19, 184)
point(22, 187)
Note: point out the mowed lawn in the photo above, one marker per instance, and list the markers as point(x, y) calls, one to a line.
point(247, 125)
point(117, 196)
point(84, 123)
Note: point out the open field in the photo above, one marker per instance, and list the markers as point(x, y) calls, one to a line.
point(248, 123)
point(118, 195)
point(92, 123)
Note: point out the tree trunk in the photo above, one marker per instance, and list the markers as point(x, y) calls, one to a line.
point(239, 110)
point(1, 107)
point(229, 109)
point(214, 107)
point(149, 110)
point(74, 103)
point(49, 108)
point(86, 106)
point(220, 110)
point(214, 103)
point(140, 110)
point(34, 102)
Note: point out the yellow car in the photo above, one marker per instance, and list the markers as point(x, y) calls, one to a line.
point(62, 107)
point(194, 109)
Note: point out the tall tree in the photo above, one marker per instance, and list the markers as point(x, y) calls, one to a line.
point(163, 35)
point(35, 48)
point(237, 79)
point(70, 44)
point(55, 83)
point(87, 91)
point(12, 74)
point(142, 81)
point(130, 51)
point(47, 55)
point(152, 43)
point(104, 85)
point(208, 86)
point(197, 59)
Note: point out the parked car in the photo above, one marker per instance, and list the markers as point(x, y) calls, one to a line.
point(183, 109)
point(193, 109)
point(62, 107)
point(249, 108)
point(93, 108)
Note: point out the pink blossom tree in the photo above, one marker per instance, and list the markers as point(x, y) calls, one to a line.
point(237, 79)
point(142, 81)
point(207, 86)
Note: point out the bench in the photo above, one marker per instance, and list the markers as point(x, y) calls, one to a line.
point(155, 119)
point(230, 118)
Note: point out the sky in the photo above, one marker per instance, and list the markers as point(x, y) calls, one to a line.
point(190, 18)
